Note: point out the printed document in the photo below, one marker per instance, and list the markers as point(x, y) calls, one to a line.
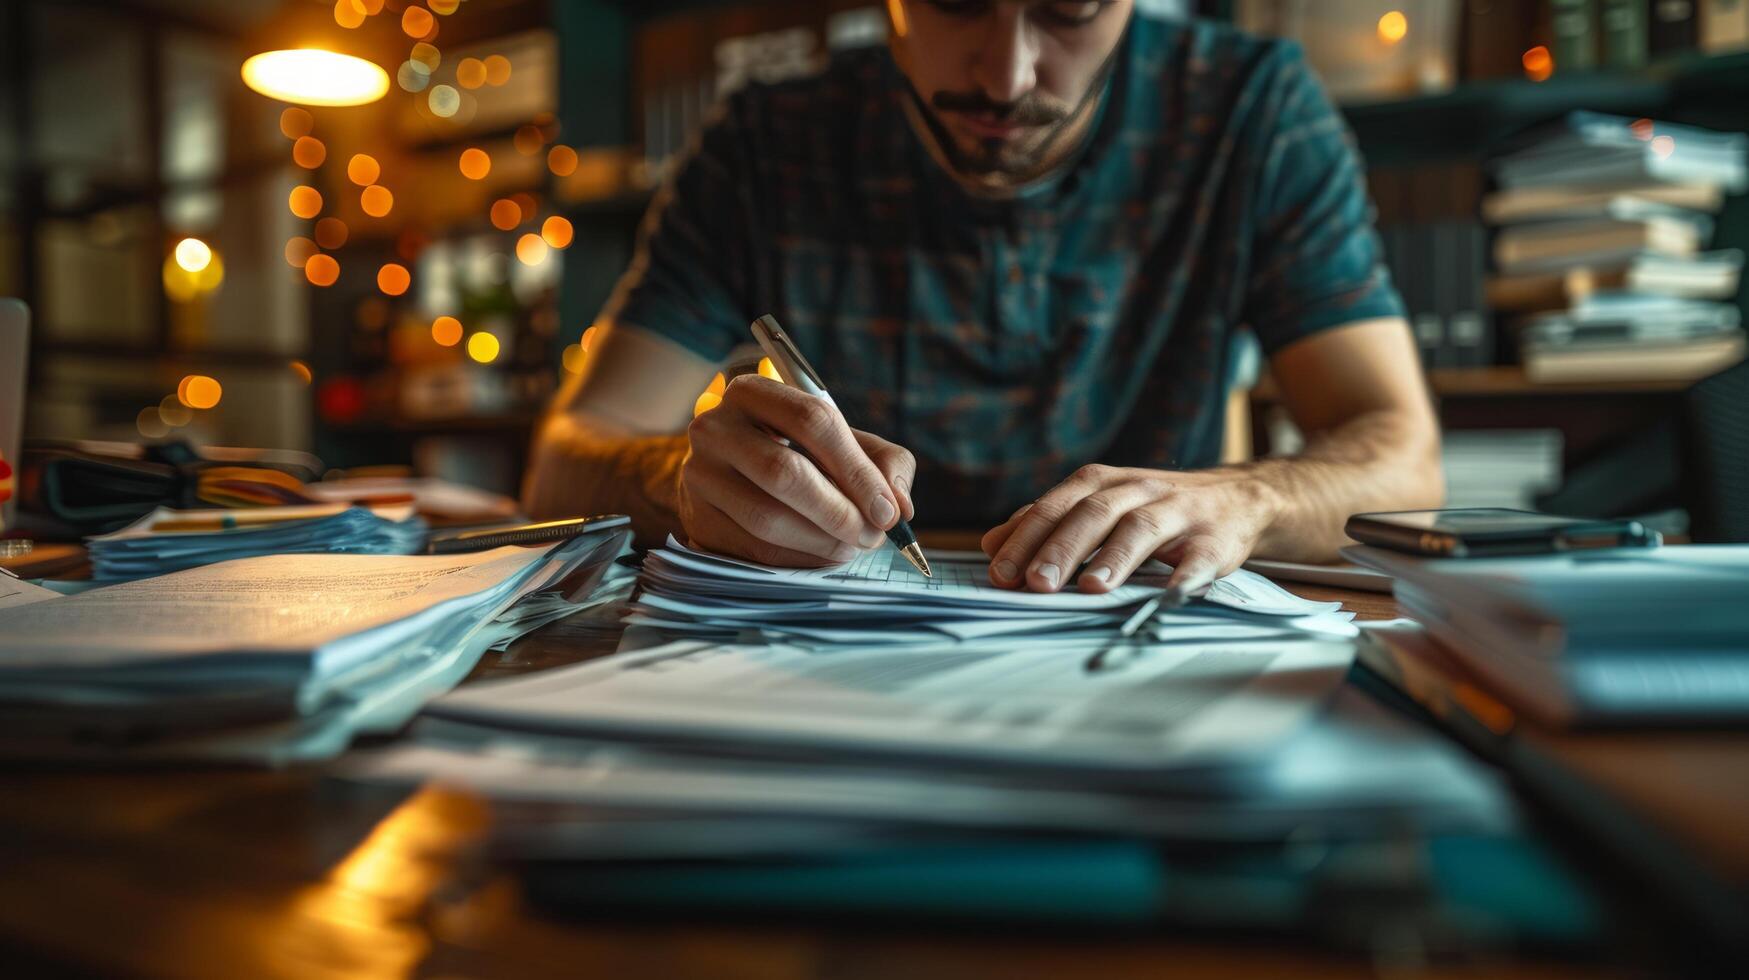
point(1069, 701)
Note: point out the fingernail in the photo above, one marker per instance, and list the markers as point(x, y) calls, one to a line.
point(1005, 571)
point(882, 511)
point(1049, 573)
point(843, 552)
point(1101, 574)
point(871, 538)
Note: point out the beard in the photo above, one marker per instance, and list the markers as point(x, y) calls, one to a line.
point(1019, 158)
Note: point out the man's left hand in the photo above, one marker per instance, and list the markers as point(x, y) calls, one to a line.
point(1204, 524)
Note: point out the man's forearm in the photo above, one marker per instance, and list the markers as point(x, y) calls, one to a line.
point(1375, 462)
point(577, 470)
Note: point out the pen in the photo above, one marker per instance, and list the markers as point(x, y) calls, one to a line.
point(796, 372)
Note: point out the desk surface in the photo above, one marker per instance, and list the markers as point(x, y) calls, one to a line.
point(230, 874)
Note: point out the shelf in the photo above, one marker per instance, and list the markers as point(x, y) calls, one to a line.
point(1471, 118)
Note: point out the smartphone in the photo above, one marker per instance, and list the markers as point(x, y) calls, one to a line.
point(1490, 531)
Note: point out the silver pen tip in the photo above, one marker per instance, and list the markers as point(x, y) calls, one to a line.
point(914, 554)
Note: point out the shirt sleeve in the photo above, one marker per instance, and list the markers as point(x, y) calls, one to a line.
point(1316, 258)
point(689, 278)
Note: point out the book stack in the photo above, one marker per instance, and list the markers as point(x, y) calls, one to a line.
point(1601, 250)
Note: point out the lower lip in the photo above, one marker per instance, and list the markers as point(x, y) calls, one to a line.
point(989, 130)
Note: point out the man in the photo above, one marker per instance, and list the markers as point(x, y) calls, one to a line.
point(1016, 243)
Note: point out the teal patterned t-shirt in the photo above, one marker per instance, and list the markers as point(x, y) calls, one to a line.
point(1007, 343)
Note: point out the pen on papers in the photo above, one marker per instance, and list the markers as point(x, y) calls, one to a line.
point(1126, 634)
point(796, 372)
point(546, 532)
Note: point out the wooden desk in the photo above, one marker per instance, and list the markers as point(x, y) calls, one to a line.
point(231, 874)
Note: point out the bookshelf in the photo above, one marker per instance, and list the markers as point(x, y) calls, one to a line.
point(1471, 118)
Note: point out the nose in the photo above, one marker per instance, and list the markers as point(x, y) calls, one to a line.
point(1008, 59)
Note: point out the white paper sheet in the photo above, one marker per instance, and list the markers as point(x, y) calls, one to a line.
point(285, 604)
point(1030, 703)
point(14, 592)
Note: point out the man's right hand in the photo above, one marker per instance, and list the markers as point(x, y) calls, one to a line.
point(744, 493)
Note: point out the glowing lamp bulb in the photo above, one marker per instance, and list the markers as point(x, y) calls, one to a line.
point(311, 76)
point(193, 255)
point(1393, 27)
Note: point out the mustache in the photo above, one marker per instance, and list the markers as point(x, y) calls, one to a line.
point(1029, 111)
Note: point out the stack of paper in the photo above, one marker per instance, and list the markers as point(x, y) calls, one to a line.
point(1617, 636)
point(880, 599)
point(276, 658)
point(1189, 739)
point(168, 540)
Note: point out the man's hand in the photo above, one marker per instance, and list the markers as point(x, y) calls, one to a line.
point(1203, 523)
point(744, 493)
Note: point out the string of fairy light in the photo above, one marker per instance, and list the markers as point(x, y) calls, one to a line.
point(317, 78)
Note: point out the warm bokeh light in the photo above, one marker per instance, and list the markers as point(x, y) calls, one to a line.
point(331, 233)
point(497, 69)
point(376, 200)
point(526, 203)
point(312, 76)
point(588, 339)
point(393, 279)
point(412, 76)
point(447, 331)
point(193, 255)
point(295, 122)
point(444, 101)
point(301, 371)
point(562, 161)
point(199, 391)
point(427, 55)
point(444, 7)
point(151, 424)
point(470, 73)
point(531, 250)
point(1393, 27)
point(529, 140)
point(363, 169)
point(417, 22)
point(309, 152)
point(573, 358)
point(556, 231)
point(483, 347)
point(718, 385)
point(184, 285)
point(475, 164)
point(305, 201)
point(349, 13)
point(706, 401)
point(896, 10)
point(372, 7)
point(174, 413)
point(298, 251)
point(505, 214)
point(1643, 129)
point(1663, 146)
point(322, 270)
point(768, 370)
point(1539, 64)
